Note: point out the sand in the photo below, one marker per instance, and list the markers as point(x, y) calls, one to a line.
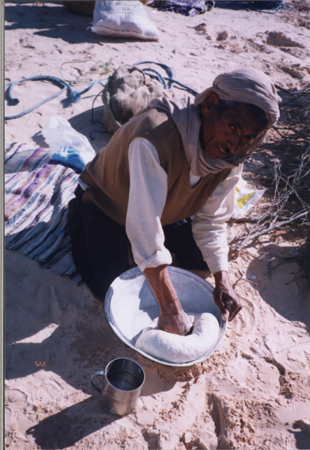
point(254, 391)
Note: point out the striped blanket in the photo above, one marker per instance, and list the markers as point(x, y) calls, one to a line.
point(37, 192)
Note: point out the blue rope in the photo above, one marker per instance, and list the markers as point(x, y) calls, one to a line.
point(74, 96)
point(93, 121)
point(163, 66)
point(170, 77)
point(191, 91)
point(96, 131)
point(158, 76)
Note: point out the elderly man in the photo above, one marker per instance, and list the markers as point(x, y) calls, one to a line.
point(165, 185)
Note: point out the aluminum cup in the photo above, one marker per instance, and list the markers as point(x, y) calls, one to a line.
point(123, 379)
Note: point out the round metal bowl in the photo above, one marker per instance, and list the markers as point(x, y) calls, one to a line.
point(130, 306)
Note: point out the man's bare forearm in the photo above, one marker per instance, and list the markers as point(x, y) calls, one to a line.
point(161, 285)
point(172, 317)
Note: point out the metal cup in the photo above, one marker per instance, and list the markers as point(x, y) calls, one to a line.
point(123, 379)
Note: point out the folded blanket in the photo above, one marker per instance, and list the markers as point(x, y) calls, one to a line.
point(37, 192)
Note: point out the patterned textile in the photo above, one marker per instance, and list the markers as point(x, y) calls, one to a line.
point(37, 192)
point(188, 8)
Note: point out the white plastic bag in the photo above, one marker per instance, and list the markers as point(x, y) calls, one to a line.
point(67, 146)
point(125, 19)
point(245, 199)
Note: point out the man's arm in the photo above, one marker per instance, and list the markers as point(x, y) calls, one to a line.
point(209, 230)
point(172, 318)
point(147, 197)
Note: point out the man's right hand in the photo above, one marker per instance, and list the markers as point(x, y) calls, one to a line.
point(172, 318)
point(177, 324)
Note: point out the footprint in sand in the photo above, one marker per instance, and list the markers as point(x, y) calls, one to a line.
point(296, 71)
point(222, 36)
point(278, 39)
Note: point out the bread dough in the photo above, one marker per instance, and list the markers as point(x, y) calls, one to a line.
point(180, 349)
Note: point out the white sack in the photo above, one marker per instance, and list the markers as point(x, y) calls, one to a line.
point(124, 19)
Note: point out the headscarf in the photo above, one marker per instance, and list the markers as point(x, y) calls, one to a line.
point(246, 85)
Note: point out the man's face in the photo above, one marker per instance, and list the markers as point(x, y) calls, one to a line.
point(224, 133)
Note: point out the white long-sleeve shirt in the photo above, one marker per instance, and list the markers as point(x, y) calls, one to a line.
point(147, 197)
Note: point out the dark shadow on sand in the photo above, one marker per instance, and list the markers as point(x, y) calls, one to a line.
point(301, 434)
point(55, 22)
point(69, 426)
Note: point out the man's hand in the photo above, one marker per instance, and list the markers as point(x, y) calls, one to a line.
point(225, 297)
point(172, 318)
point(177, 324)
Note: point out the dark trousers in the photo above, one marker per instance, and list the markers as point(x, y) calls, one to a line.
point(101, 249)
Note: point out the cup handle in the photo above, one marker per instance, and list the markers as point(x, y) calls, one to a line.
point(98, 372)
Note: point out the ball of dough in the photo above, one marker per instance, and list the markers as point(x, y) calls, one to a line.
point(180, 349)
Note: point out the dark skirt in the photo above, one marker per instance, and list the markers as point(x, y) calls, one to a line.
point(101, 249)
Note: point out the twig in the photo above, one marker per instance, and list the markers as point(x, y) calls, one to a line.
point(272, 227)
point(291, 177)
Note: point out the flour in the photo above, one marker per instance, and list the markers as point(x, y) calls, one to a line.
point(180, 349)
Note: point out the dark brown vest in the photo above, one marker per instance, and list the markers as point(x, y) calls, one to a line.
point(107, 175)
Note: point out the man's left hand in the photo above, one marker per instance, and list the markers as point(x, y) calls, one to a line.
point(225, 297)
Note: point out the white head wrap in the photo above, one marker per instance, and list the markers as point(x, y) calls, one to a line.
point(246, 85)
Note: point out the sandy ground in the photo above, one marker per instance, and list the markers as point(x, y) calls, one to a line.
point(254, 391)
